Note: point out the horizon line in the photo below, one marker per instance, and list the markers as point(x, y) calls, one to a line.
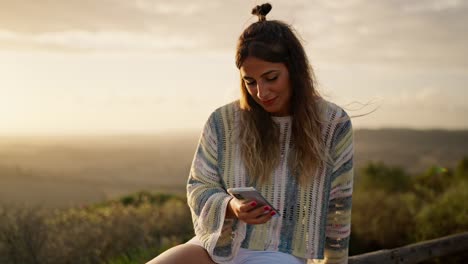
point(193, 132)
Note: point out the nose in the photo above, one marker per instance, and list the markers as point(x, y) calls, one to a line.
point(262, 91)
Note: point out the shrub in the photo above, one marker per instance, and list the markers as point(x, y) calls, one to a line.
point(93, 234)
point(461, 172)
point(448, 214)
point(380, 176)
point(382, 220)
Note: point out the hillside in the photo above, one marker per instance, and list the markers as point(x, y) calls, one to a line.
point(74, 170)
point(414, 150)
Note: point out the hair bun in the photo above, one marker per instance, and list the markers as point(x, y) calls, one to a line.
point(261, 11)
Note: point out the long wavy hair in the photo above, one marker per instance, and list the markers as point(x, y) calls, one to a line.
point(275, 41)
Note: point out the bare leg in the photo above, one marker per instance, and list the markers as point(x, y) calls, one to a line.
point(183, 254)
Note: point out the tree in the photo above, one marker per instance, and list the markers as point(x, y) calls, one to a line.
point(380, 176)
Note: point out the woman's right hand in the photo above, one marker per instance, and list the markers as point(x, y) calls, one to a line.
point(249, 212)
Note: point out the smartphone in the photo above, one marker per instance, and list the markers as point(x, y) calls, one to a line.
point(251, 194)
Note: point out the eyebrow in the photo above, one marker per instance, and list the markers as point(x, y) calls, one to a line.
point(263, 74)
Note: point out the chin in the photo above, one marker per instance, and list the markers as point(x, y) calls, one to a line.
point(272, 111)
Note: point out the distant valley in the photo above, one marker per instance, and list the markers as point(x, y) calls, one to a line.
point(66, 171)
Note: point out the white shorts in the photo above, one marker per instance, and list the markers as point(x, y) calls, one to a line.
point(246, 256)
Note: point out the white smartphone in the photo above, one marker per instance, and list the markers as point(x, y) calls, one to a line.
point(251, 194)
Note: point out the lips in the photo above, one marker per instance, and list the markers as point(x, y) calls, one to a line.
point(269, 102)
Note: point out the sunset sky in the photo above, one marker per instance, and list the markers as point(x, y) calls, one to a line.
point(142, 66)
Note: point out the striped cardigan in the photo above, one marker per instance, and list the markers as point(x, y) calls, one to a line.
point(315, 219)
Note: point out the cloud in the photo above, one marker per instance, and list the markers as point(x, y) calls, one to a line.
point(98, 41)
point(428, 99)
point(386, 32)
point(179, 8)
point(57, 24)
point(432, 5)
point(419, 32)
point(35, 17)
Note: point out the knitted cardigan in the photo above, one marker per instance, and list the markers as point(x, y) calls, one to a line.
point(315, 219)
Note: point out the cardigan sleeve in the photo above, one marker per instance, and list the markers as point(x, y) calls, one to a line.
point(338, 226)
point(207, 197)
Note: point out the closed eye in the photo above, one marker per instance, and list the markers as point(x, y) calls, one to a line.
point(272, 78)
point(250, 83)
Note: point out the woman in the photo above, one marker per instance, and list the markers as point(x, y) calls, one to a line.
point(290, 144)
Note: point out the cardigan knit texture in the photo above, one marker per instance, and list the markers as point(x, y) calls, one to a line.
point(315, 218)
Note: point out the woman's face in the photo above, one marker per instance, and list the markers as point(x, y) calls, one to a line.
point(269, 85)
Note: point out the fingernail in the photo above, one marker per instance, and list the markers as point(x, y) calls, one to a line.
point(273, 213)
point(266, 208)
point(253, 203)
